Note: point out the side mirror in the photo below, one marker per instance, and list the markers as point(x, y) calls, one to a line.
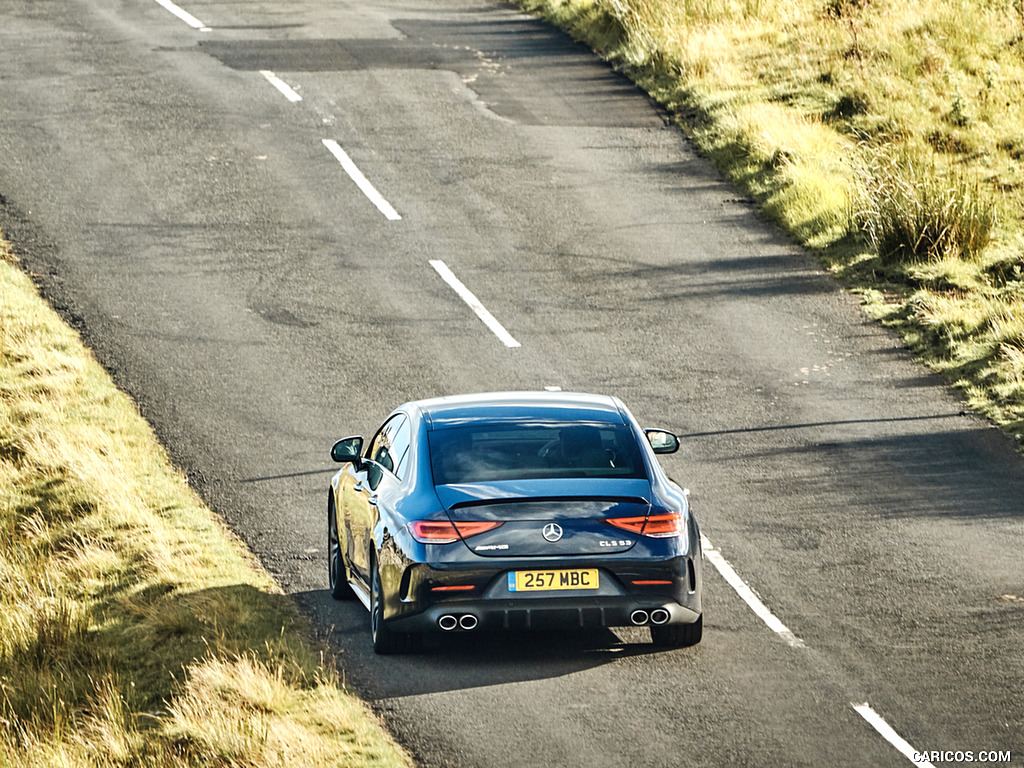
point(350, 449)
point(662, 441)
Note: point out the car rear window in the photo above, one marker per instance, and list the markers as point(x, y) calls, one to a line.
point(519, 451)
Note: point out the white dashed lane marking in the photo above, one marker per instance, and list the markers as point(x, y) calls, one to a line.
point(745, 592)
point(775, 624)
point(889, 734)
point(474, 303)
point(281, 85)
point(184, 15)
point(361, 181)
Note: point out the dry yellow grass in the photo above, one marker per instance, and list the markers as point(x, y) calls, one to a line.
point(134, 628)
point(801, 102)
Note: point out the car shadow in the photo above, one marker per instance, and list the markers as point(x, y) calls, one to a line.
point(461, 660)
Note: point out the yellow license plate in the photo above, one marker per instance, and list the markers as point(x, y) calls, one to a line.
point(542, 581)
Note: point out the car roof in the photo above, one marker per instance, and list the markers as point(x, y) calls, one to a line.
point(464, 410)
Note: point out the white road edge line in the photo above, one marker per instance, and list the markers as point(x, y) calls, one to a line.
point(890, 735)
point(361, 181)
point(474, 303)
point(184, 15)
point(281, 85)
point(773, 622)
point(744, 591)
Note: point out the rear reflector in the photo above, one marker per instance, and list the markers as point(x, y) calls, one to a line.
point(457, 588)
point(445, 532)
point(651, 582)
point(657, 526)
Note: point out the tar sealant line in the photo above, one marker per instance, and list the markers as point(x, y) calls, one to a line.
point(474, 303)
point(890, 735)
point(184, 15)
point(281, 85)
point(361, 181)
point(745, 592)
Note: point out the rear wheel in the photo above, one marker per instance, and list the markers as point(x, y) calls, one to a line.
point(340, 590)
point(677, 635)
point(385, 640)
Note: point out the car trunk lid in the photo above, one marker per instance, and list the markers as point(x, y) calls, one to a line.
point(548, 521)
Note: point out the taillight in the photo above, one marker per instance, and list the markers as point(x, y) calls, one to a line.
point(656, 526)
point(445, 532)
point(631, 524)
point(664, 526)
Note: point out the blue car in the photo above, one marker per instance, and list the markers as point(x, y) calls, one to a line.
point(513, 511)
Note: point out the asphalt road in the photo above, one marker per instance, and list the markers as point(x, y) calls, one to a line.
point(185, 213)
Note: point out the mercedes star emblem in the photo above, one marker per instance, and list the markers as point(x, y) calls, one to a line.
point(552, 531)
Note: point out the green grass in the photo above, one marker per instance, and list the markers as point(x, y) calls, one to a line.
point(885, 136)
point(135, 630)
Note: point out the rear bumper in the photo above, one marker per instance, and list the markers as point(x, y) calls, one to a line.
point(420, 601)
point(547, 613)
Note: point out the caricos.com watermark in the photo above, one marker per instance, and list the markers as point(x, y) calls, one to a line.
point(962, 756)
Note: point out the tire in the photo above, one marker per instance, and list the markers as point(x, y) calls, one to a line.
point(386, 642)
point(677, 635)
point(338, 579)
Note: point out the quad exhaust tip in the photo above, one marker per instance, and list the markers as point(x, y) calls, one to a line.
point(659, 616)
point(639, 617)
point(450, 621)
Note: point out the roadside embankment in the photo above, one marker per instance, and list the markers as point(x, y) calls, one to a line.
point(134, 628)
point(885, 137)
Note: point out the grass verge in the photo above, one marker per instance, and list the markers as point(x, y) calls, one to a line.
point(135, 630)
point(885, 136)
